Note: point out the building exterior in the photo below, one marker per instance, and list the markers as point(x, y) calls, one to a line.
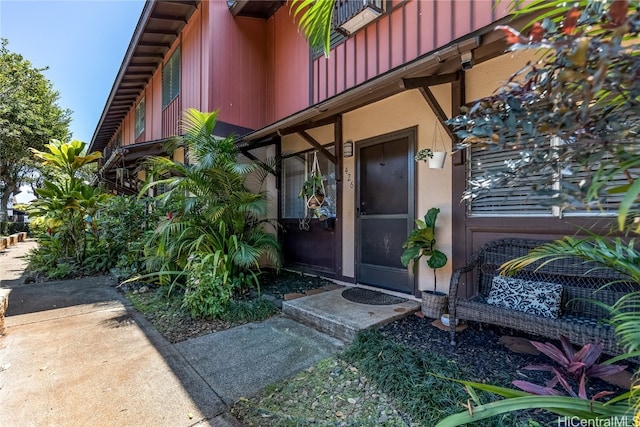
point(362, 113)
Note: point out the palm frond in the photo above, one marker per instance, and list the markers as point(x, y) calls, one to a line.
point(316, 17)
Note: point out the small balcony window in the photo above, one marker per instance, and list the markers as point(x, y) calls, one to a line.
point(351, 15)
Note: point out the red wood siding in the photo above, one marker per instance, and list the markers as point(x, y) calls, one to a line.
point(237, 67)
point(288, 68)
point(410, 28)
point(191, 68)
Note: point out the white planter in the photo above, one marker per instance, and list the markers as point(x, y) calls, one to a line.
point(437, 161)
point(445, 320)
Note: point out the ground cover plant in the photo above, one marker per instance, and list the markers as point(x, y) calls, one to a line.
point(386, 378)
point(165, 309)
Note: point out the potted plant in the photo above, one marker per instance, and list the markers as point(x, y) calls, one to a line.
point(313, 191)
point(435, 159)
point(421, 242)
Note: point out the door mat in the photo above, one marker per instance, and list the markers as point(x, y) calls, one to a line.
point(366, 296)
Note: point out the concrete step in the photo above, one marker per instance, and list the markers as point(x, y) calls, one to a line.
point(331, 313)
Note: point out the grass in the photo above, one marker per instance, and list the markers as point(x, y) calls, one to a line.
point(249, 311)
point(332, 392)
point(388, 384)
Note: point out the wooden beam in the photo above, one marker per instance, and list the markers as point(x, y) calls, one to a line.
point(308, 125)
point(420, 82)
point(437, 109)
point(266, 167)
point(457, 101)
point(311, 140)
point(337, 138)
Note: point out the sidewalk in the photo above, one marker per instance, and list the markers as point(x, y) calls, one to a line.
point(76, 354)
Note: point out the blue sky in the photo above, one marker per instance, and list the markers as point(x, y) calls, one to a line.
point(82, 42)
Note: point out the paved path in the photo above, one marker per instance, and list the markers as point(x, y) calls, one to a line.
point(76, 354)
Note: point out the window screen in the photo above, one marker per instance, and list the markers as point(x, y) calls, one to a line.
point(295, 170)
point(518, 198)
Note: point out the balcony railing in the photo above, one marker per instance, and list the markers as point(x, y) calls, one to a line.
point(171, 118)
point(351, 15)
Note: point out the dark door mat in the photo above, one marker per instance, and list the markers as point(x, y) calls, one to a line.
point(366, 296)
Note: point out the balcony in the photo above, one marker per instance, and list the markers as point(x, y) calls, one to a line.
point(351, 15)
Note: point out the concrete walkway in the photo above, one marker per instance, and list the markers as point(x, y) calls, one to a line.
point(76, 354)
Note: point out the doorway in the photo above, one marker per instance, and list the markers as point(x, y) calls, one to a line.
point(385, 209)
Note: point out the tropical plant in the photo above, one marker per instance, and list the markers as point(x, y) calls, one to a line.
point(213, 219)
point(421, 242)
point(572, 113)
point(29, 117)
point(583, 90)
point(67, 204)
point(316, 20)
point(118, 234)
point(577, 365)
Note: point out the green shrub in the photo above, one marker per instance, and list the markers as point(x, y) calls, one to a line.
point(118, 235)
point(11, 227)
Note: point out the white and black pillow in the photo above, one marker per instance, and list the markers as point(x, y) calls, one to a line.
point(540, 298)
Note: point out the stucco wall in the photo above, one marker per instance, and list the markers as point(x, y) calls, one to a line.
point(399, 112)
point(433, 186)
point(484, 78)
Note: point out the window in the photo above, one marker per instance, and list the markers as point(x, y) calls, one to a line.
point(295, 170)
point(140, 113)
point(171, 79)
point(518, 200)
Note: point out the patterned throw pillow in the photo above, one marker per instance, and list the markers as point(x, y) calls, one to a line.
point(539, 298)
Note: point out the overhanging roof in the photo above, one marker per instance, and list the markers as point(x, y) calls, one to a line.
point(159, 26)
point(262, 9)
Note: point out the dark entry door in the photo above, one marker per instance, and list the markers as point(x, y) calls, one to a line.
point(384, 210)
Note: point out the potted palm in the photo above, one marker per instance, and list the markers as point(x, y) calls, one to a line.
point(421, 242)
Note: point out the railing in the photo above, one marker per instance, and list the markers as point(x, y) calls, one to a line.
point(171, 118)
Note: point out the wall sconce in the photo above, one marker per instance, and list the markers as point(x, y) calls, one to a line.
point(369, 12)
point(347, 149)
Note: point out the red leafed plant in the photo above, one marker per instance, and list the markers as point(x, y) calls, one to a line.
point(579, 365)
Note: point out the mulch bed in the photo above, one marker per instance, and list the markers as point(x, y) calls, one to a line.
point(480, 352)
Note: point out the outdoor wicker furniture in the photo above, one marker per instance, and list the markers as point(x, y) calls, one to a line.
point(579, 319)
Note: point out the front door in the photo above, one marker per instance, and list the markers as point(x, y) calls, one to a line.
point(384, 209)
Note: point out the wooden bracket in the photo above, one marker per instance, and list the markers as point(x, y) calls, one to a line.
point(311, 140)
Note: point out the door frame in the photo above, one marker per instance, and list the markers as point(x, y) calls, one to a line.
point(412, 139)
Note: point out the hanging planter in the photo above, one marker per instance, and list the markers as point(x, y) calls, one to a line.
point(434, 158)
point(437, 159)
point(312, 190)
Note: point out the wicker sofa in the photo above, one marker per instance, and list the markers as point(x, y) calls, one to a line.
point(580, 320)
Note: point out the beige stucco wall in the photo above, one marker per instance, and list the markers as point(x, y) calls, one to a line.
point(484, 78)
point(433, 186)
